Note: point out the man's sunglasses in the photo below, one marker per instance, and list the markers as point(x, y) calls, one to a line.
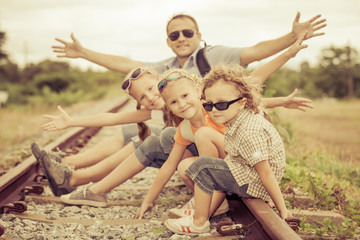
point(135, 75)
point(221, 106)
point(172, 76)
point(188, 33)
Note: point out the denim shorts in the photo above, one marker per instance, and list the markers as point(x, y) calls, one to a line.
point(211, 174)
point(167, 141)
point(150, 152)
point(130, 133)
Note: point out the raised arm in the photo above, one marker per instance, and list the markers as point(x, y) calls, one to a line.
point(268, 48)
point(264, 72)
point(74, 49)
point(63, 120)
point(164, 175)
point(291, 102)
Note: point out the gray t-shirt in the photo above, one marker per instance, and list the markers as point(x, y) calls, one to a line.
point(214, 55)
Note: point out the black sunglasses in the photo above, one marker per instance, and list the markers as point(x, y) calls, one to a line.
point(135, 75)
point(188, 33)
point(221, 106)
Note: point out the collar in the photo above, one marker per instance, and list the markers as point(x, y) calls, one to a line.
point(232, 127)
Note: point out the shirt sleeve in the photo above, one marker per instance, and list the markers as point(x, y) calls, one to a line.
point(178, 137)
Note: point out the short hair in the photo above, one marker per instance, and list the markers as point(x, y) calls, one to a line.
point(181, 15)
point(235, 75)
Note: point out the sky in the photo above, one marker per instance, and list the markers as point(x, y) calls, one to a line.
point(136, 28)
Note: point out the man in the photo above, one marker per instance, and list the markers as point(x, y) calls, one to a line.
point(184, 39)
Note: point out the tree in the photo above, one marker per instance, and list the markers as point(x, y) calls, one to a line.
point(337, 71)
point(3, 55)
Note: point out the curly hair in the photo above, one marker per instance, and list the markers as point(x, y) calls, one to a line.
point(235, 74)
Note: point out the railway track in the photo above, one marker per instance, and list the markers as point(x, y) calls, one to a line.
point(26, 204)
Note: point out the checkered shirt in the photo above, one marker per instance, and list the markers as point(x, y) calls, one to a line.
point(249, 140)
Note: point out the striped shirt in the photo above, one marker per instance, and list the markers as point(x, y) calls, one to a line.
point(249, 140)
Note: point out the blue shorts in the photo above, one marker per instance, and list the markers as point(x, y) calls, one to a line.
point(211, 174)
point(130, 133)
point(155, 150)
point(167, 141)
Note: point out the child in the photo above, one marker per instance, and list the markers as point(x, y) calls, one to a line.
point(255, 159)
point(142, 85)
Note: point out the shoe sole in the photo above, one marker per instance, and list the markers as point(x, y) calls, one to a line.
point(83, 202)
point(180, 232)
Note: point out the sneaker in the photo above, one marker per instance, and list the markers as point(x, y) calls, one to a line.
point(186, 226)
point(58, 175)
point(83, 196)
point(37, 151)
point(183, 212)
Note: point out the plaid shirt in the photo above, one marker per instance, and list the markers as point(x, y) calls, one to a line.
point(249, 140)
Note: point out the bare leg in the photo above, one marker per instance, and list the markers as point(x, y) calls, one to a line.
point(97, 153)
point(124, 171)
point(202, 210)
point(210, 142)
point(96, 172)
point(183, 165)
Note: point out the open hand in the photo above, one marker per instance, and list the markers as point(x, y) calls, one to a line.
point(57, 122)
point(69, 49)
point(311, 26)
point(299, 103)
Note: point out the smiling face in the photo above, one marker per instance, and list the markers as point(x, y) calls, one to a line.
point(183, 47)
point(224, 91)
point(183, 99)
point(145, 91)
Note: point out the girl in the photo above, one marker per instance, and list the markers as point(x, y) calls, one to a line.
point(255, 159)
point(142, 85)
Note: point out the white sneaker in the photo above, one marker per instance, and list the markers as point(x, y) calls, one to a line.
point(186, 226)
point(185, 211)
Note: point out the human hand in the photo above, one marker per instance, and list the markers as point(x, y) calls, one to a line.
point(299, 103)
point(297, 46)
point(310, 26)
point(285, 214)
point(57, 122)
point(70, 49)
point(145, 207)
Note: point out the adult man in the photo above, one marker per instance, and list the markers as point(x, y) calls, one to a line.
point(184, 40)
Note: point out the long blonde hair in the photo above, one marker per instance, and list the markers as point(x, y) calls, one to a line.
point(143, 130)
point(235, 74)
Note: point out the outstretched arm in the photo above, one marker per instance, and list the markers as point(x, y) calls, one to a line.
point(264, 72)
point(164, 175)
point(268, 48)
point(74, 49)
point(63, 120)
point(291, 102)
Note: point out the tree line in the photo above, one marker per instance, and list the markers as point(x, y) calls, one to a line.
point(336, 75)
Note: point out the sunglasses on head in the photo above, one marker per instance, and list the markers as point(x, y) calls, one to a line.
point(188, 33)
point(135, 75)
point(221, 106)
point(172, 76)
